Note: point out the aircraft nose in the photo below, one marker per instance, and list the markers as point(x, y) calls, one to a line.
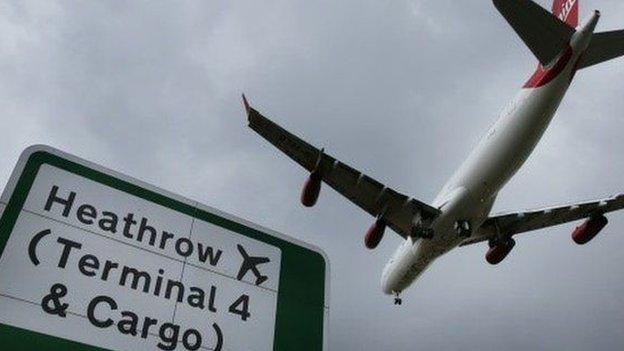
point(387, 285)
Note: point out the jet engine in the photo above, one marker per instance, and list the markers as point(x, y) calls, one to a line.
point(312, 186)
point(375, 234)
point(311, 190)
point(589, 229)
point(499, 250)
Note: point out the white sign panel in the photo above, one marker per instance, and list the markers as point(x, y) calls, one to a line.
point(99, 265)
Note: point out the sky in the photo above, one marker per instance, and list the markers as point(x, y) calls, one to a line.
point(401, 90)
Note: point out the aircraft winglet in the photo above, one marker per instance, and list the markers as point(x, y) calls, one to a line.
point(247, 107)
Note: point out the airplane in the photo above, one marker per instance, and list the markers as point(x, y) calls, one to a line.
point(460, 214)
point(250, 263)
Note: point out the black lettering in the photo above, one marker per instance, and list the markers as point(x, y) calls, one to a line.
point(196, 298)
point(52, 304)
point(186, 342)
point(144, 227)
point(129, 325)
point(163, 239)
point(109, 221)
point(91, 311)
point(66, 250)
point(86, 214)
point(108, 266)
point(88, 262)
point(129, 222)
point(208, 254)
point(67, 203)
point(136, 276)
point(189, 247)
point(241, 307)
point(170, 285)
point(168, 333)
point(211, 300)
point(146, 325)
point(169, 342)
point(158, 284)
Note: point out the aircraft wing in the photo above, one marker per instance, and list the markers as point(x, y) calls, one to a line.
point(510, 224)
point(399, 211)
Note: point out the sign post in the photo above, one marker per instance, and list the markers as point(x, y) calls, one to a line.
point(94, 260)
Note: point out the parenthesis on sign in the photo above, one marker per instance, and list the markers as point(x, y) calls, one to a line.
point(32, 247)
point(219, 337)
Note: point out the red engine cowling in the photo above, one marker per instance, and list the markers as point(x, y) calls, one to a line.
point(498, 252)
point(311, 190)
point(588, 230)
point(375, 234)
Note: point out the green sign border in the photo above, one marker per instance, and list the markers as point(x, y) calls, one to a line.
point(301, 301)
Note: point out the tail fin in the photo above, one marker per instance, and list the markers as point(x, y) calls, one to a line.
point(567, 11)
point(547, 35)
point(603, 46)
point(544, 33)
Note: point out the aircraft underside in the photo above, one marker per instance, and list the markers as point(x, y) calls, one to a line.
point(460, 214)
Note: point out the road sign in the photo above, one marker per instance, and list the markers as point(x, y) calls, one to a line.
point(94, 260)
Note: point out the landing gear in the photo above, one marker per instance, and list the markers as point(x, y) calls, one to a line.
point(463, 228)
point(423, 233)
point(397, 300)
point(427, 233)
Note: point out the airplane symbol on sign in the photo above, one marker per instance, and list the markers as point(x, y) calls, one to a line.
point(250, 263)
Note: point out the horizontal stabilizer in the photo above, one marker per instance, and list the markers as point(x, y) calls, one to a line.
point(544, 34)
point(604, 46)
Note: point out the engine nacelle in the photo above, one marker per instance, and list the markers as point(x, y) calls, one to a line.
point(499, 251)
point(311, 190)
point(588, 230)
point(374, 234)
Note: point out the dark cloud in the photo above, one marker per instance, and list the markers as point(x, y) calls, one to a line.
point(401, 90)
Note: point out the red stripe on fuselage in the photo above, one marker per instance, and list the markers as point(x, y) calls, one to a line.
point(543, 76)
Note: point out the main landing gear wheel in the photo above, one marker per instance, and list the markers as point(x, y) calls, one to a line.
point(423, 233)
point(463, 228)
point(427, 233)
point(397, 300)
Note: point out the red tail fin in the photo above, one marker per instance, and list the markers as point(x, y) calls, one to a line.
point(567, 11)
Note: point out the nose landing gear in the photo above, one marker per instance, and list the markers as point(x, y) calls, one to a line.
point(397, 300)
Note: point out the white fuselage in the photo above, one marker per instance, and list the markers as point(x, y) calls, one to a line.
point(470, 193)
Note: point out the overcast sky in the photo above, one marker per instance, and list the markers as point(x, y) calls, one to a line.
point(398, 89)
